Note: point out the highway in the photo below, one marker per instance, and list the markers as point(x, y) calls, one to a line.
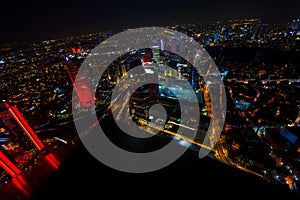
point(221, 154)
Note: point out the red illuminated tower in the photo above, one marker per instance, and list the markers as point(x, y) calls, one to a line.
point(148, 56)
point(83, 91)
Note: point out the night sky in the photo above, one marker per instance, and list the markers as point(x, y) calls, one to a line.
point(31, 20)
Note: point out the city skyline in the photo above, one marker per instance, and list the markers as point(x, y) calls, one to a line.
point(53, 77)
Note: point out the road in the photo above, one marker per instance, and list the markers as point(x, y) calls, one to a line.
point(82, 176)
point(221, 154)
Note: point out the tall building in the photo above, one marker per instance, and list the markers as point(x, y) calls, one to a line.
point(207, 100)
point(83, 91)
point(147, 94)
point(148, 55)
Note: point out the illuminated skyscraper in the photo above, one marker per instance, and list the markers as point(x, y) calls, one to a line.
point(83, 91)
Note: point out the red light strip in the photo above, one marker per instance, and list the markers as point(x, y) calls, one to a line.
point(25, 126)
point(22, 185)
point(53, 161)
point(31, 132)
point(8, 166)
